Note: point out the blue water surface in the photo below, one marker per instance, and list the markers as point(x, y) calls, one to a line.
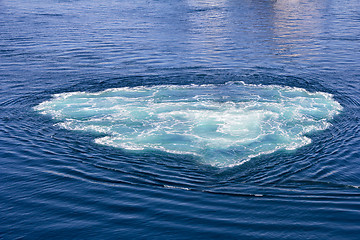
point(154, 119)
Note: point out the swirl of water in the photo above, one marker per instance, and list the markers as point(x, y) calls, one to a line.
point(223, 125)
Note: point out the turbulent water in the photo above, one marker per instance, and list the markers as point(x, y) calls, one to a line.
point(225, 125)
point(187, 119)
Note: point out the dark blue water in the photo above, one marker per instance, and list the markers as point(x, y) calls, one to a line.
point(59, 184)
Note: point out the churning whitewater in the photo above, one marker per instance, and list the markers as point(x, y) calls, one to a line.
point(221, 124)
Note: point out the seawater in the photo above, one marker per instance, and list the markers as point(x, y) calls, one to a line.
point(187, 119)
point(224, 125)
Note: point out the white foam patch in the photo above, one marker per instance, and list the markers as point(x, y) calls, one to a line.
point(223, 125)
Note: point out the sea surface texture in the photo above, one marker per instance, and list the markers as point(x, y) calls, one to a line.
point(194, 119)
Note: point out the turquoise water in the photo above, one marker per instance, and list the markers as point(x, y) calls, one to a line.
point(223, 125)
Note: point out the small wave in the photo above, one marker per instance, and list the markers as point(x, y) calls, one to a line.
point(222, 125)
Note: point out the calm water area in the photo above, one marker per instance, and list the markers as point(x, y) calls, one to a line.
point(188, 119)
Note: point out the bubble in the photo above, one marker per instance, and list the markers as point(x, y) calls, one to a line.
point(222, 125)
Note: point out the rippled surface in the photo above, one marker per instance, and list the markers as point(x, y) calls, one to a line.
point(224, 125)
point(74, 57)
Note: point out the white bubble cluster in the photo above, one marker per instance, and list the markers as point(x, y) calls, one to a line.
point(223, 125)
